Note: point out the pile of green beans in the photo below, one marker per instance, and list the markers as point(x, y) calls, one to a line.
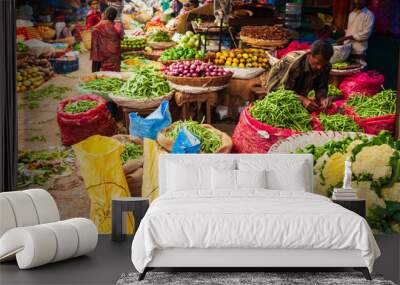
point(105, 84)
point(131, 151)
point(333, 91)
point(80, 106)
point(383, 103)
point(210, 141)
point(338, 122)
point(146, 83)
point(281, 109)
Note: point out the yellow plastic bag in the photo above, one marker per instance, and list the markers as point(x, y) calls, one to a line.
point(151, 153)
point(101, 169)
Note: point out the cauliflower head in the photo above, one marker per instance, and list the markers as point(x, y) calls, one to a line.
point(334, 169)
point(364, 192)
point(374, 161)
point(392, 193)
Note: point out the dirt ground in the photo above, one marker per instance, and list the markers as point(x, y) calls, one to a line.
point(67, 189)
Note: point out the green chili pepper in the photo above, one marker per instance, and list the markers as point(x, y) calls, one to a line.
point(338, 122)
point(105, 84)
point(131, 151)
point(383, 103)
point(80, 106)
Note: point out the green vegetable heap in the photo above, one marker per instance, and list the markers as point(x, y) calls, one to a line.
point(105, 84)
point(131, 151)
point(383, 103)
point(80, 106)
point(375, 174)
point(21, 47)
point(281, 109)
point(137, 43)
point(338, 122)
point(146, 82)
point(176, 53)
point(159, 36)
point(333, 91)
point(340, 65)
point(210, 141)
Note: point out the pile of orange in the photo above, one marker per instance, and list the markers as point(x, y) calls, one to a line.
point(243, 58)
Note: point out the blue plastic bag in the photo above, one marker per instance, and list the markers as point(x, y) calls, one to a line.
point(150, 126)
point(186, 142)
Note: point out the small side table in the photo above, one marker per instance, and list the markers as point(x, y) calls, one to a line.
point(184, 100)
point(355, 205)
point(137, 205)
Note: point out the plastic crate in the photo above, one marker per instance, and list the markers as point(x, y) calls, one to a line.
point(65, 66)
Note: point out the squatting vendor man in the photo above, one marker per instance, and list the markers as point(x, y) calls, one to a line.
point(303, 72)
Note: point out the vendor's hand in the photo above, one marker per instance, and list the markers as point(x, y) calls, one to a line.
point(325, 103)
point(310, 105)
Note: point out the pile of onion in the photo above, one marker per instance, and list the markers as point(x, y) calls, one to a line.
point(195, 68)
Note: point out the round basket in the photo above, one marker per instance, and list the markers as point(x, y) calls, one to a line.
point(48, 34)
point(264, 43)
point(154, 55)
point(140, 103)
point(200, 81)
point(87, 39)
point(89, 77)
point(161, 45)
point(167, 143)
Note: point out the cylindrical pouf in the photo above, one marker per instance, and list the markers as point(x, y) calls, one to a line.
point(7, 216)
point(87, 235)
point(23, 208)
point(46, 207)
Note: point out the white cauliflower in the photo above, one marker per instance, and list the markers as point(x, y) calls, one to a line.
point(374, 161)
point(392, 193)
point(364, 192)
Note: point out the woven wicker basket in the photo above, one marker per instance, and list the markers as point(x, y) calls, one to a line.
point(167, 143)
point(264, 43)
point(140, 103)
point(200, 81)
point(161, 45)
point(87, 39)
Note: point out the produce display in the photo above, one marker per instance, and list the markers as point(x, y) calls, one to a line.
point(281, 109)
point(275, 32)
point(159, 36)
point(80, 106)
point(131, 151)
point(37, 167)
point(191, 40)
point(176, 53)
point(195, 68)
point(340, 65)
point(136, 43)
point(104, 84)
point(32, 72)
point(338, 122)
point(375, 166)
point(209, 140)
point(242, 58)
point(383, 103)
point(146, 82)
point(333, 91)
point(21, 47)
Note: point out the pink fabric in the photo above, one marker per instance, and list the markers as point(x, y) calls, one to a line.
point(368, 83)
point(293, 46)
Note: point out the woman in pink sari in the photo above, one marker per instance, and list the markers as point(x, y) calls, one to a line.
point(106, 49)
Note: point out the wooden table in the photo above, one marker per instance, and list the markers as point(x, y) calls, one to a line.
point(185, 100)
point(141, 112)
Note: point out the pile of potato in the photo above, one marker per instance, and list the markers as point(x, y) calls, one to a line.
point(32, 72)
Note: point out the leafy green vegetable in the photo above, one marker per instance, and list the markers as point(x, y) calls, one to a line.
point(146, 82)
point(131, 151)
point(382, 219)
point(80, 106)
point(32, 98)
point(281, 109)
point(36, 167)
point(210, 141)
point(159, 36)
point(383, 103)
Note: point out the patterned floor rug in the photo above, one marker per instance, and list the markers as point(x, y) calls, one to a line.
point(253, 278)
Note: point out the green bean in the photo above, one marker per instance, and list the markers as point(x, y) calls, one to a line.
point(80, 106)
point(105, 84)
point(131, 151)
point(338, 122)
point(281, 109)
point(383, 103)
point(210, 141)
point(146, 82)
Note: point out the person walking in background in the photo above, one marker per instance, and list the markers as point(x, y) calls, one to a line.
point(359, 29)
point(93, 17)
point(106, 48)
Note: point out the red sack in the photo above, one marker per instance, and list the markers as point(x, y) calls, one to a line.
point(252, 136)
point(375, 125)
point(315, 123)
point(293, 46)
point(77, 127)
point(368, 83)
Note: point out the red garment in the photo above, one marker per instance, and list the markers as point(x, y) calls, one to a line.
point(92, 18)
point(106, 46)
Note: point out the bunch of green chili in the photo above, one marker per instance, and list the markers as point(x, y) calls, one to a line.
point(80, 106)
point(383, 103)
point(338, 122)
point(105, 84)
